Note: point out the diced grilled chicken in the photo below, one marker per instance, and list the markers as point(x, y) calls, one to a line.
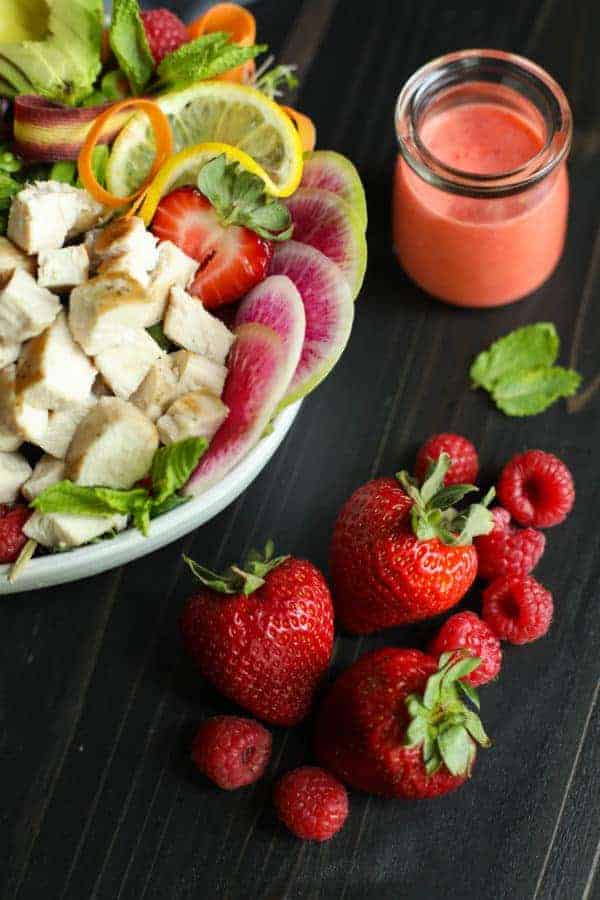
point(11, 258)
point(197, 414)
point(63, 269)
point(60, 531)
point(20, 419)
point(61, 425)
point(9, 440)
point(53, 372)
point(104, 311)
point(124, 246)
point(173, 269)
point(113, 446)
point(14, 472)
point(124, 368)
point(188, 324)
point(26, 309)
point(43, 215)
point(46, 472)
point(177, 374)
point(9, 353)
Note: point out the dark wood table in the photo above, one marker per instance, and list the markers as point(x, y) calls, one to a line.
point(98, 703)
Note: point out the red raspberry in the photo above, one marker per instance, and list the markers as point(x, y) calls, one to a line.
point(12, 539)
point(465, 462)
point(312, 803)
point(537, 489)
point(518, 610)
point(507, 550)
point(466, 630)
point(232, 751)
point(165, 32)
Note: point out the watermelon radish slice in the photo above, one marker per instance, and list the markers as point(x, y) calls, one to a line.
point(331, 171)
point(329, 224)
point(328, 307)
point(275, 302)
point(256, 383)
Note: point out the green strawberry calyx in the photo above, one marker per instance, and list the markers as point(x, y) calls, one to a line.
point(243, 579)
point(433, 514)
point(239, 198)
point(445, 720)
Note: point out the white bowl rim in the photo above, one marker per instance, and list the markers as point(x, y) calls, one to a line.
point(60, 568)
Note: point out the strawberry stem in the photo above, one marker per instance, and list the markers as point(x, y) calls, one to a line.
point(245, 579)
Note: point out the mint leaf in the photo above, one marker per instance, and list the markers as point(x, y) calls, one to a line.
point(129, 44)
point(173, 465)
point(530, 393)
point(78, 500)
point(531, 347)
point(206, 57)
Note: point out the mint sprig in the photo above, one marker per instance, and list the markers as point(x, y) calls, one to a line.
point(206, 57)
point(239, 198)
point(518, 371)
point(171, 469)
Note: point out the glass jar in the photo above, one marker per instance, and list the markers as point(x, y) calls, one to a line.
point(481, 191)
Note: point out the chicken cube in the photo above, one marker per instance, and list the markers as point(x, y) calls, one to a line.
point(178, 373)
point(124, 368)
point(61, 426)
point(157, 390)
point(19, 418)
point(124, 246)
point(53, 372)
point(173, 269)
point(9, 353)
point(46, 472)
point(44, 214)
point(9, 440)
point(188, 324)
point(197, 414)
point(63, 269)
point(113, 446)
point(63, 531)
point(104, 311)
point(12, 258)
point(26, 309)
point(194, 372)
point(14, 471)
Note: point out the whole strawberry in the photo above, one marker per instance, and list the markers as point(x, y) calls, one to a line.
point(262, 634)
point(395, 724)
point(400, 553)
point(12, 539)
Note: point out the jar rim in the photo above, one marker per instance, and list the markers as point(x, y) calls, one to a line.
point(501, 68)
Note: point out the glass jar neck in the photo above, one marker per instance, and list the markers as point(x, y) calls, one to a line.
point(483, 77)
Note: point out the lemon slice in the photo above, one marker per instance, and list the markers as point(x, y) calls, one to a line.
point(183, 168)
point(213, 112)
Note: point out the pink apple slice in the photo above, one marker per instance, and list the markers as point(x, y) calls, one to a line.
point(256, 383)
point(328, 308)
point(275, 302)
point(331, 171)
point(329, 224)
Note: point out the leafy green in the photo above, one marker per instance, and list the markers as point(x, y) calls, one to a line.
point(77, 500)
point(278, 81)
point(64, 65)
point(239, 198)
point(129, 43)
point(205, 57)
point(519, 372)
point(173, 465)
point(157, 334)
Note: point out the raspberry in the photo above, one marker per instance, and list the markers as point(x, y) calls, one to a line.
point(465, 462)
point(165, 32)
point(537, 489)
point(12, 539)
point(507, 550)
point(312, 803)
point(232, 751)
point(466, 630)
point(518, 610)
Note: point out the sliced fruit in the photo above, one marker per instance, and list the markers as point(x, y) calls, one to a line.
point(328, 308)
point(329, 224)
point(214, 111)
point(331, 171)
point(256, 383)
point(232, 259)
point(276, 303)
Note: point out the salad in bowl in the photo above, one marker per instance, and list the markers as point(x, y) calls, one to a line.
point(178, 269)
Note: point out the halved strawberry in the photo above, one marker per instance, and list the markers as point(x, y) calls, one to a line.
point(228, 225)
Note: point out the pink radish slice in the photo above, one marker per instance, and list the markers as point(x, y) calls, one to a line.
point(329, 224)
point(255, 385)
point(331, 171)
point(275, 302)
point(328, 307)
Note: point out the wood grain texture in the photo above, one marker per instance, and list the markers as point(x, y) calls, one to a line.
point(98, 704)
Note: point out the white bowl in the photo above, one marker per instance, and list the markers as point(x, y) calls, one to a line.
point(62, 567)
